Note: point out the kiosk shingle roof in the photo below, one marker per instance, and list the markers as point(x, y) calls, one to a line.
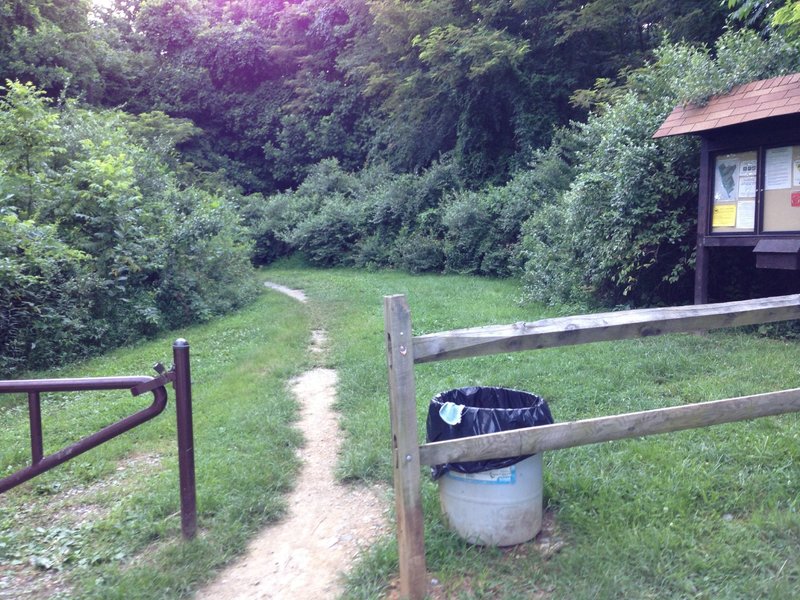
point(749, 102)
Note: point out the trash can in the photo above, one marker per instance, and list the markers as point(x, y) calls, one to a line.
point(495, 502)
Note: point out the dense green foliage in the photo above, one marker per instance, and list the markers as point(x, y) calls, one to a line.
point(418, 223)
point(102, 243)
point(783, 15)
point(158, 139)
point(277, 86)
point(46, 290)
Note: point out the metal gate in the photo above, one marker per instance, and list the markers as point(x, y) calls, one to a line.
point(179, 376)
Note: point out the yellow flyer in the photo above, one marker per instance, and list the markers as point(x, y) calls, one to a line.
point(724, 215)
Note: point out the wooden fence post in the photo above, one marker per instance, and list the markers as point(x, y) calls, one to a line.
point(405, 448)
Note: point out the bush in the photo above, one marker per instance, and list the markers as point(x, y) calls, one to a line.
point(46, 297)
point(206, 260)
point(483, 228)
point(373, 252)
point(419, 223)
point(372, 218)
point(115, 240)
point(329, 236)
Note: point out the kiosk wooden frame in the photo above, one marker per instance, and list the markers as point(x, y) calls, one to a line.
point(748, 197)
point(404, 350)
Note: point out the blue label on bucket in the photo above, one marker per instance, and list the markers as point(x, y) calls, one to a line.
point(505, 475)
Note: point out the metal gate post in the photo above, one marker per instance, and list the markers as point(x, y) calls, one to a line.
point(183, 412)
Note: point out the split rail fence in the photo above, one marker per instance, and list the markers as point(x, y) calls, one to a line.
point(405, 350)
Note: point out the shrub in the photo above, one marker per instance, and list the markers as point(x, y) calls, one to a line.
point(114, 243)
point(364, 219)
point(483, 228)
point(418, 252)
point(29, 140)
point(329, 236)
point(45, 301)
point(206, 260)
point(374, 251)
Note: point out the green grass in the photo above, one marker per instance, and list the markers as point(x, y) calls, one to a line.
point(108, 520)
point(708, 513)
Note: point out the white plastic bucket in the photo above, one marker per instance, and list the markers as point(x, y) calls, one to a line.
point(501, 507)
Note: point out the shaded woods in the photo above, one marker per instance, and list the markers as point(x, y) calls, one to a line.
point(162, 146)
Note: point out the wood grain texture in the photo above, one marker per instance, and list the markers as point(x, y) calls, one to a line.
point(405, 448)
point(583, 329)
point(532, 440)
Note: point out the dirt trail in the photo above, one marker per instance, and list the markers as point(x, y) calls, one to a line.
point(304, 555)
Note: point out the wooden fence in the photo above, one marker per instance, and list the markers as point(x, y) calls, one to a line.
point(405, 350)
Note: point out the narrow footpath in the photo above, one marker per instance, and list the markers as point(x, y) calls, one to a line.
point(328, 523)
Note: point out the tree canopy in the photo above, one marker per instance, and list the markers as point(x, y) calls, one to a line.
point(279, 86)
point(149, 148)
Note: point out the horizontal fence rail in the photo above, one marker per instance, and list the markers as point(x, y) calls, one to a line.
point(601, 327)
point(532, 440)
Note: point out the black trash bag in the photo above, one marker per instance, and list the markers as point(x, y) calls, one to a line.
point(482, 410)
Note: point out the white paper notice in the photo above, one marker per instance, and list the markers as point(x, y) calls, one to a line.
point(747, 168)
point(778, 169)
point(747, 187)
point(796, 171)
point(746, 215)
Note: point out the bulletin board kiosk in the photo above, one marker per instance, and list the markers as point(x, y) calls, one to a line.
point(749, 189)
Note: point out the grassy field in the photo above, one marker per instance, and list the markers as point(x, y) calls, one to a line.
point(710, 513)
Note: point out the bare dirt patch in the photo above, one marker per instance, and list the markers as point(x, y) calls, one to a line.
point(298, 295)
point(548, 543)
point(328, 523)
point(22, 582)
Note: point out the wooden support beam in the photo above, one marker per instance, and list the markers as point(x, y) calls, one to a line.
point(532, 440)
point(405, 448)
point(701, 270)
point(582, 329)
point(702, 253)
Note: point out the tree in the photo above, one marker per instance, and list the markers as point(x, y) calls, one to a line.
point(781, 15)
point(29, 138)
point(50, 43)
point(488, 81)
